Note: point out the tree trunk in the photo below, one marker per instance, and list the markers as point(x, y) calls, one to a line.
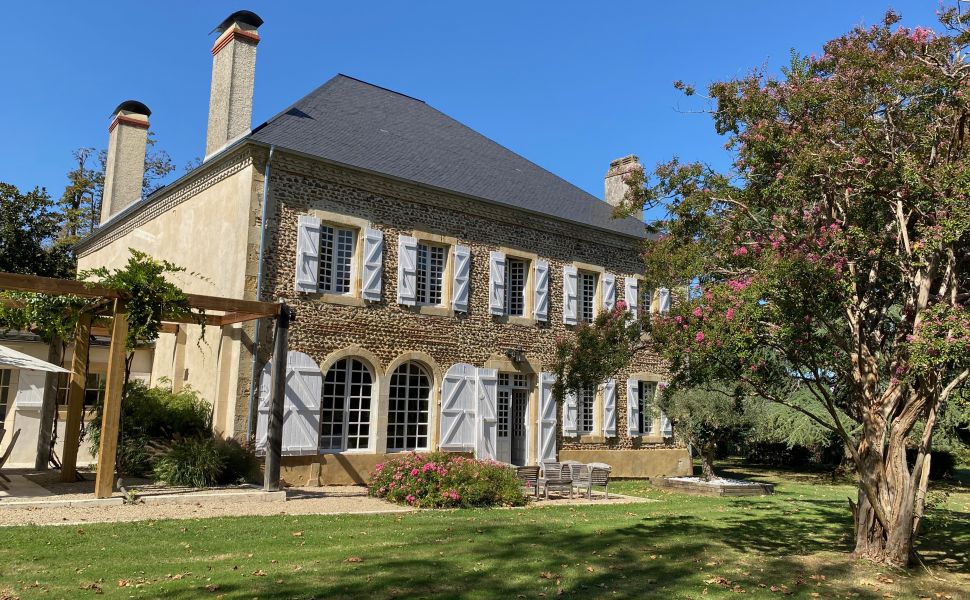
point(707, 462)
point(896, 491)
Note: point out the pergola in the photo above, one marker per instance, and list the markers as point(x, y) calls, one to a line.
point(114, 317)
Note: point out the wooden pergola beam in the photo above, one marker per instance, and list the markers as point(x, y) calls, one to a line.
point(60, 287)
point(111, 413)
point(75, 398)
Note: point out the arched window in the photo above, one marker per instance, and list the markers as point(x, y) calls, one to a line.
point(345, 409)
point(407, 411)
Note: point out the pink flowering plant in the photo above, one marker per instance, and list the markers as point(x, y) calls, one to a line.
point(445, 480)
point(832, 255)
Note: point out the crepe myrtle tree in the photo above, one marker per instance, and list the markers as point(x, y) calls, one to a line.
point(834, 253)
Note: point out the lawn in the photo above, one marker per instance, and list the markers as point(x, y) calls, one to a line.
point(675, 546)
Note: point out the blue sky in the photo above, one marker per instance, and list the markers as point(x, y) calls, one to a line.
point(569, 85)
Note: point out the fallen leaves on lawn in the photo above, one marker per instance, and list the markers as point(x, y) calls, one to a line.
point(354, 559)
point(259, 573)
point(94, 586)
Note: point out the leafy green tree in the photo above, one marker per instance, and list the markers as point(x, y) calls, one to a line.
point(833, 254)
point(29, 226)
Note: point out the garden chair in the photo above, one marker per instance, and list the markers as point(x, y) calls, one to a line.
point(599, 475)
point(548, 467)
point(557, 481)
point(529, 476)
point(579, 473)
point(6, 455)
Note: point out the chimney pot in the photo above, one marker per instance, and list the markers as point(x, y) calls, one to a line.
point(233, 75)
point(615, 180)
point(125, 168)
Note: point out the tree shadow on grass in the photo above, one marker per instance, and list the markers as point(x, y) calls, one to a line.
point(575, 554)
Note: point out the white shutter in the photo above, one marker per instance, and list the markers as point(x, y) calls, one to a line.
point(262, 411)
point(407, 270)
point(570, 309)
point(546, 450)
point(307, 254)
point(496, 283)
point(487, 392)
point(301, 405)
point(373, 265)
point(540, 308)
point(30, 389)
point(458, 408)
point(633, 407)
point(663, 300)
point(459, 286)
point(631, 294)
point(609, 291)
point(609, 408)
point(569, 414)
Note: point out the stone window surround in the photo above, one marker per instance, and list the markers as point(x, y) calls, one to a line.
point(335, 219)
point(657, 437)
point(446, 308)
point(528, 318)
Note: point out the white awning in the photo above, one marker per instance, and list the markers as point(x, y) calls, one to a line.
point(11, 359)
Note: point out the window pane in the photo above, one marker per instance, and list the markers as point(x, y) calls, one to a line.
point(586, 399)
point(515, 276)
point(407, 416)
point(430, 273)
point(336, 259)
point(587, 296)
point(345, 406)
point(646, 390)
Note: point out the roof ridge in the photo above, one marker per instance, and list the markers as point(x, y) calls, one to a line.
point(380, 87)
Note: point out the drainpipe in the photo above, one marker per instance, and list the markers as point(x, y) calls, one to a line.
point(259, 290)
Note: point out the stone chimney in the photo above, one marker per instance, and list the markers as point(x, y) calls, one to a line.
point(125, 168)
point(233, 73)
point(615, 184)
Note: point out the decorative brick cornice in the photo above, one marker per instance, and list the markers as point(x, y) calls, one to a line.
point(133, 122)
point(245, 36)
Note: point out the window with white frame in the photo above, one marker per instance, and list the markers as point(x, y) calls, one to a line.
point(587, 408)
point(646, 302)
point(587, 296)
point(408, 404)
point(345, 406)
point(93, 389)
point(646, 392)
point(431, 260)
point(4, 393)
point(516, 276)
point(337, 245)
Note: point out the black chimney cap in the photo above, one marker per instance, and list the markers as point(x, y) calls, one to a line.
point(132, 106)
point(244, 16)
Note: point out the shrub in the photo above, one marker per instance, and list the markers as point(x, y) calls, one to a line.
point(442, 480)
point(239, 463)
point(206, 461)
point(942, 463)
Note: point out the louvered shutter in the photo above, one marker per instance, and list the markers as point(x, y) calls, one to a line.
point(262, 410)
point(631, 294)
point(487, 392)
point(609, 291)
point(569, 295)
point(609, 408)
point(496, 283)
point(633, 407)
point(301, 405)
point(30, 389)
point(407, 270)
point(540, 308)
point(569, 414)
point(459, 286)
point(663, 300)
point(546, 450)
point(458, 408)
point(307, 254)
point(371, 282)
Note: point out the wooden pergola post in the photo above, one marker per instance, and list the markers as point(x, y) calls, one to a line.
point(274, 426)
point(75, 397)
point(113, 389)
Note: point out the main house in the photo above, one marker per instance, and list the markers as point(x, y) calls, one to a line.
point(431, 269)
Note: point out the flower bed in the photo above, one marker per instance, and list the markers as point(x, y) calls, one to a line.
point(442, 480)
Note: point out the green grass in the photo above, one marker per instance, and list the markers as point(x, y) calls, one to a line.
point(676, 546)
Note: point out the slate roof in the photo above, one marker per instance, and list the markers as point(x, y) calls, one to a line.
point(358, 124)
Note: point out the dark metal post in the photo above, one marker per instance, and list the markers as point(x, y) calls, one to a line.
point(274, 428)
